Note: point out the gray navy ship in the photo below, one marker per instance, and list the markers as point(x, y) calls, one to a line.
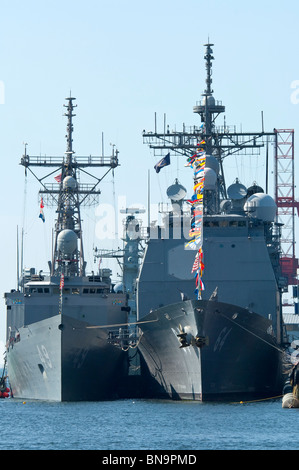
point(53, 351)
point(222, 339)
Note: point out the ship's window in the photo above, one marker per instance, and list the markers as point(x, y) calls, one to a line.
point(75, 291)
point(92, 291)
point(46, 290)
point(100, 291)
point(40, 290)
point(66, 290)
point(233, 223)
point(56, 290)
point(242, 223)
point(212, 223)
point(223, 223)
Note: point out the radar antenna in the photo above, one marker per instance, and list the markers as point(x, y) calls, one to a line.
point(68, 195)
point(220, 141)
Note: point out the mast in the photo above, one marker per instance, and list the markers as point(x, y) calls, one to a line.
point(68, 256)
point(220, 141)
point(67, 194)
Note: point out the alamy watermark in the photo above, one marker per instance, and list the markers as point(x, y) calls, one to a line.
point(172, 222)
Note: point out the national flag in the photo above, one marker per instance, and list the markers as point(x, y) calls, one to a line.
point(163, 162)
point(41, 203)
point(58, 178)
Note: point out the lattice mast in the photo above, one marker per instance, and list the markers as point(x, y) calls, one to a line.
point(68, 195)
point(286, 202)
point(220, 141)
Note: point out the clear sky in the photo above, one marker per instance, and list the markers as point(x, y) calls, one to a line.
point(124, 61)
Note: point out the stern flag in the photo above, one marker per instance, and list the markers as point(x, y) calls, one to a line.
point(164, 162)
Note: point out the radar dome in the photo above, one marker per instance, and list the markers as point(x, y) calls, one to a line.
point(69, 182)
point(261, 206)
point(67, 241)
point(254, 189)
point(210, 179)
point(119, 288)
point(209, 99)
point(176, 192)
point(212, 162)
point(236, 191)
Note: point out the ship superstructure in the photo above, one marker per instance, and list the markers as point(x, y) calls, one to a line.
point(54, 351)
point(226, 338)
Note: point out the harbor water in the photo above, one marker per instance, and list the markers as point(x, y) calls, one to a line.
point(148, 425)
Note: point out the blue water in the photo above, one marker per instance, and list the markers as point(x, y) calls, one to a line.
point(148, 425)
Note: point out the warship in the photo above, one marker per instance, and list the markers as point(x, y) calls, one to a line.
point(53, 352)
point(210, 285)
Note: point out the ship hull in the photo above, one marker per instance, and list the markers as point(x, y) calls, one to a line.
point(236, 356)
point(63, 359)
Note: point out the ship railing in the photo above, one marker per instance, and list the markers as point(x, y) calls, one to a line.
point(84, 161)
point(202, 103)
point(82, 188)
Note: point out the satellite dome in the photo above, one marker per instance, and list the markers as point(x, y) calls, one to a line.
point(254, 189)
point(261, 206)
point(212, 162)
point(236, 191)
point(210, 179)
point(209, 99)
point(67, 241)
point(176, 192)
point(69, 182)
point(119, 288)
